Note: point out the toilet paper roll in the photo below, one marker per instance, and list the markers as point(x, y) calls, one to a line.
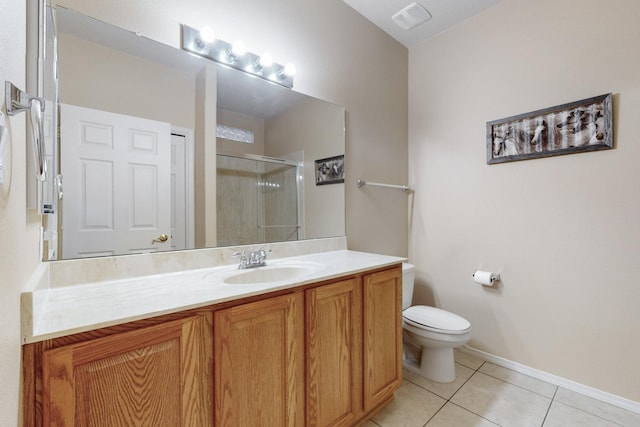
point(485, 278)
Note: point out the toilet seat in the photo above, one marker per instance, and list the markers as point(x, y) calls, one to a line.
point(435, 320)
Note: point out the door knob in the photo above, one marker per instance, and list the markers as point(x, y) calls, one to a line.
point(161, 238)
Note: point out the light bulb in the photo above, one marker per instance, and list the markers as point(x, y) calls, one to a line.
point(289, 70)
point(266, 60)
point(238, 49)
point(207, 35)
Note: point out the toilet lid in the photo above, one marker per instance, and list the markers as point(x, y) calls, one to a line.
point(435, 319)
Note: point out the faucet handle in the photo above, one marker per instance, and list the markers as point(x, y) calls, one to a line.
point(264, 251)
point(243, 259)
point(262, 254)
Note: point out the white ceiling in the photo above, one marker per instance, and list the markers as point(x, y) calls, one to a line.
point(445, 14)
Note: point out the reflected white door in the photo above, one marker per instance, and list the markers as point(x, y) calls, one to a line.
point(117, 191)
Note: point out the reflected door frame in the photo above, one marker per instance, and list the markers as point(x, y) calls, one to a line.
point(187, 137)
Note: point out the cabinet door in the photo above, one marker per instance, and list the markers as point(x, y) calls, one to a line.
point(259, 363)
point(382, 336)
point(147, 377)
point(334, 367)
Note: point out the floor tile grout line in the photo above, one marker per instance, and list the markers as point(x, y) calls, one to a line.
point(519, 386)
point(528, 376)
point(506, 382)
point(439, 409)
point(448, 400)
point(430, 392)
point(590, 413)
point(471, 367)
point(425, 389)
point(462, 385)
point(478, 415)
point(546, 414)
point(443, 397)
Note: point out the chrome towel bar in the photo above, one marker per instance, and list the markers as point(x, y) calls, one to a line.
point(360, 183)
point(18, 101)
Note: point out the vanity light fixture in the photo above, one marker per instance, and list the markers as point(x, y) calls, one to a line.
point(203, 43)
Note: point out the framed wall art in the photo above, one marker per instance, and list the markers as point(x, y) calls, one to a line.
point(330, 170)
point(585, 125)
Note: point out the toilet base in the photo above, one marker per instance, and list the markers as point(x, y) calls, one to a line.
point(436, 364)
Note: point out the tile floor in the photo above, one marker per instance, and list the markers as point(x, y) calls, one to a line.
point(487, 395)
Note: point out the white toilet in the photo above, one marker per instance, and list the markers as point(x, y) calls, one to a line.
point(430, 335)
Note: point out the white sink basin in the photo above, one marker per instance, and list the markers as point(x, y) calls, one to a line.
point(273, 272)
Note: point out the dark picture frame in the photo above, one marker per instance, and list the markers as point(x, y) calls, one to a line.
point(585, 125)
point(330, 170)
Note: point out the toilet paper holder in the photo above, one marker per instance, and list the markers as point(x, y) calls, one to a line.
point(486, 278)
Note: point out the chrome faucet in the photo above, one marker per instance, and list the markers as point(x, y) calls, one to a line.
point(254, 259)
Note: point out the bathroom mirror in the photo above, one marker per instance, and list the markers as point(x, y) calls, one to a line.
point(160, 150)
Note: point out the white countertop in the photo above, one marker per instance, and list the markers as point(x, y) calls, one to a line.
point(67, 310)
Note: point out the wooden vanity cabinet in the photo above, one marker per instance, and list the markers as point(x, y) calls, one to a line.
point(334, 353)
point(354, 347)
point(147, 377)
point(326, 354)
point(382, 336)
point(259, 363)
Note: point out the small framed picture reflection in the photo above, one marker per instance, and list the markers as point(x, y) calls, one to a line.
point(330, 170)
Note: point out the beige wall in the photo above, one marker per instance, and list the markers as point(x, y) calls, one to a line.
point(18, 228)
point(340, 57)
point(563, 231)
point(317, 128)
point(116, 80)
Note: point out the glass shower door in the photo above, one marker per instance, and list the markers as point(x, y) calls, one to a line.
point(278, 197)
point(257, 201)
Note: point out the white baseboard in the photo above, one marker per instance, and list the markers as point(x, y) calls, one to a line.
point(603, 396)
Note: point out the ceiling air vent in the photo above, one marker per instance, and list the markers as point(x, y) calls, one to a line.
point(411, 16)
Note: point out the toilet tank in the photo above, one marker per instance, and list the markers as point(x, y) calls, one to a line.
point(408, 277)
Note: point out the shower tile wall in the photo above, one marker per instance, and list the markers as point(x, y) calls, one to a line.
point(237, 214)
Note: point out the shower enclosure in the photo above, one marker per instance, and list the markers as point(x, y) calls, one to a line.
point(259, 200)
